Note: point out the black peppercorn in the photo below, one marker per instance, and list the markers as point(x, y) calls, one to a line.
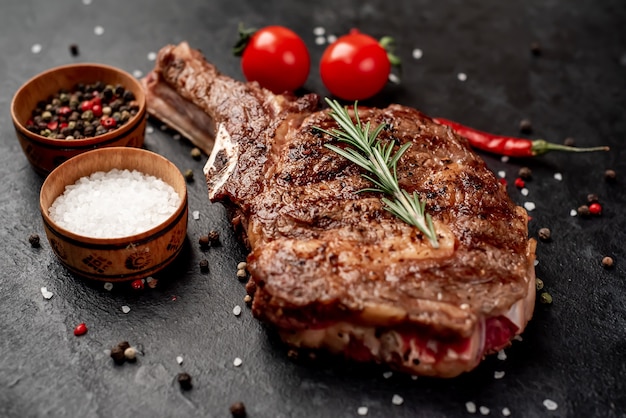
point(583, 210)
point(123, 345)
point(34, 240)
point(525, 126)
point(107, 93)
point(204, 265)
point(525, 173)
point(119, 90)
point(204, 241)
point(238, 410)
point(535, 49)
point(214, 238)
point(607, 262)
point(610, 175)
point(184, 380)
point(128, 96)
point(544, 234)
point(592, 198)
point(188, 175)
point(117, 354)
point(569, 142)
point(74, 50)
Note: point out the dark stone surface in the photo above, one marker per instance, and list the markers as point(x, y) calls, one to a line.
point(573, 352)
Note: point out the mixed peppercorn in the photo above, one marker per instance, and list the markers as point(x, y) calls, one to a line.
point(87, 111)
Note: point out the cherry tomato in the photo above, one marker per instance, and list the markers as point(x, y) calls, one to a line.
point(277, 58)
point(355, 66)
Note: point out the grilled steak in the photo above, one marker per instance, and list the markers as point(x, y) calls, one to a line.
point(329, 267)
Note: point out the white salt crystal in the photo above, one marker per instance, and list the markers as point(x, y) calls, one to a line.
point(125, 309)
point(196, 214)
point(237, 310)
point(558, 176)
point(573, 212)
point(504, 158)
point(108, 286)
point(530, 206)
point(149, 130)
point(36, 48)
point(502, 174)
point(179, 359)
point(461, 76)
point(501, 355)
point(137, 73)
point(98, 30)
point(152, 56)
point(319, 31)
point(394, 78)
point(518, 338)
point(484, 410)
point(506, 412)
point(237, 362)
point(550, 405)
point(176, 137)
point(471, 407)
point(498, 375)
point(417, 53)
point(524, 191)
point(362, 410)
point(86, 2)
point(387, 375)
point(331, 38)
point(535, 263)
point(414, 377)
point(397, 400)
point(320, 40)
point(45, 293)
point(118, 203)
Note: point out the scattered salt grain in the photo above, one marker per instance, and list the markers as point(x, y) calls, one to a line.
point(498, 375)
point(320, 40)
point(362, 410)
point(573, 212)
point(518, 338)
point(331, 38)
point(502, 174)
point(506, 412)
point(196, 214)
point(484, 410)
point(319, 31)
point(149, 130)
point(504, 158)
point(550, 405)
point(45, 293)
point(501, 355)
point(237, 310)
point(471, 407)
point(86, 2)
point(237, 362)
point(461, 76)
point(115, 204)
point(179, 360)
point(98, 30)
point(524, 191)
point(152, 56)
point(394, 78)
point(176, 137)
point(125, 309)
point(137, 73)
point(36, 48)
point(558, 176)
point(163, 127)
point(530, 206)
point(536, 263)
point(397, 400)
point(387, 375)
point(417, 53)
point(414, 377)
point(108, 286)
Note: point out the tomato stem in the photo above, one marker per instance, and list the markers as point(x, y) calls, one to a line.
point(388, 44)
point(244, 38)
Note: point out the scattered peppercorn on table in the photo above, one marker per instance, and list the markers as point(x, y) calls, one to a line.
point(183, 342)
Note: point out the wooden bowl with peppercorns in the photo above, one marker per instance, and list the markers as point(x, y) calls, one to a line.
point(71, 109)
point(115, 214)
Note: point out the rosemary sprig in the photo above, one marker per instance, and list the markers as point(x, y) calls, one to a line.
point(380, 162)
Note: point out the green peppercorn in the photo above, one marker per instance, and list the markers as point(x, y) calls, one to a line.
point(71, 125)
point(106, 110)
point(64, 98)
point(125, 115)
point(55, 102)
point(196, 153)
point(188, 175)
point(45, 132)
point(117, 116)
point(46, 116)
point(545, 298)
point(48, 107)
point(87, 115)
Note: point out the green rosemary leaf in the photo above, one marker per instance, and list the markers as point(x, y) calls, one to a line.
point(380, 163)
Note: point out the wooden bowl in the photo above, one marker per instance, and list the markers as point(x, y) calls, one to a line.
point(43, 153)
point(116, 259)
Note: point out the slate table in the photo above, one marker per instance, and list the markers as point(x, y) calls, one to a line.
point(573, 352)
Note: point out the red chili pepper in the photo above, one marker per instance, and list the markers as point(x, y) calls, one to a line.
point(510, 146)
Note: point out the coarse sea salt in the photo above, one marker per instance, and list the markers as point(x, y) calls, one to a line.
point(397, 400)
point(362, 410)
point(484, 410)
point(470, 407)
point(506, 412)
point(550, 405)
point(114, 204)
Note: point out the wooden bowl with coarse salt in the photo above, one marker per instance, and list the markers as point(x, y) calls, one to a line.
point(115, 214)
point(44, 153)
